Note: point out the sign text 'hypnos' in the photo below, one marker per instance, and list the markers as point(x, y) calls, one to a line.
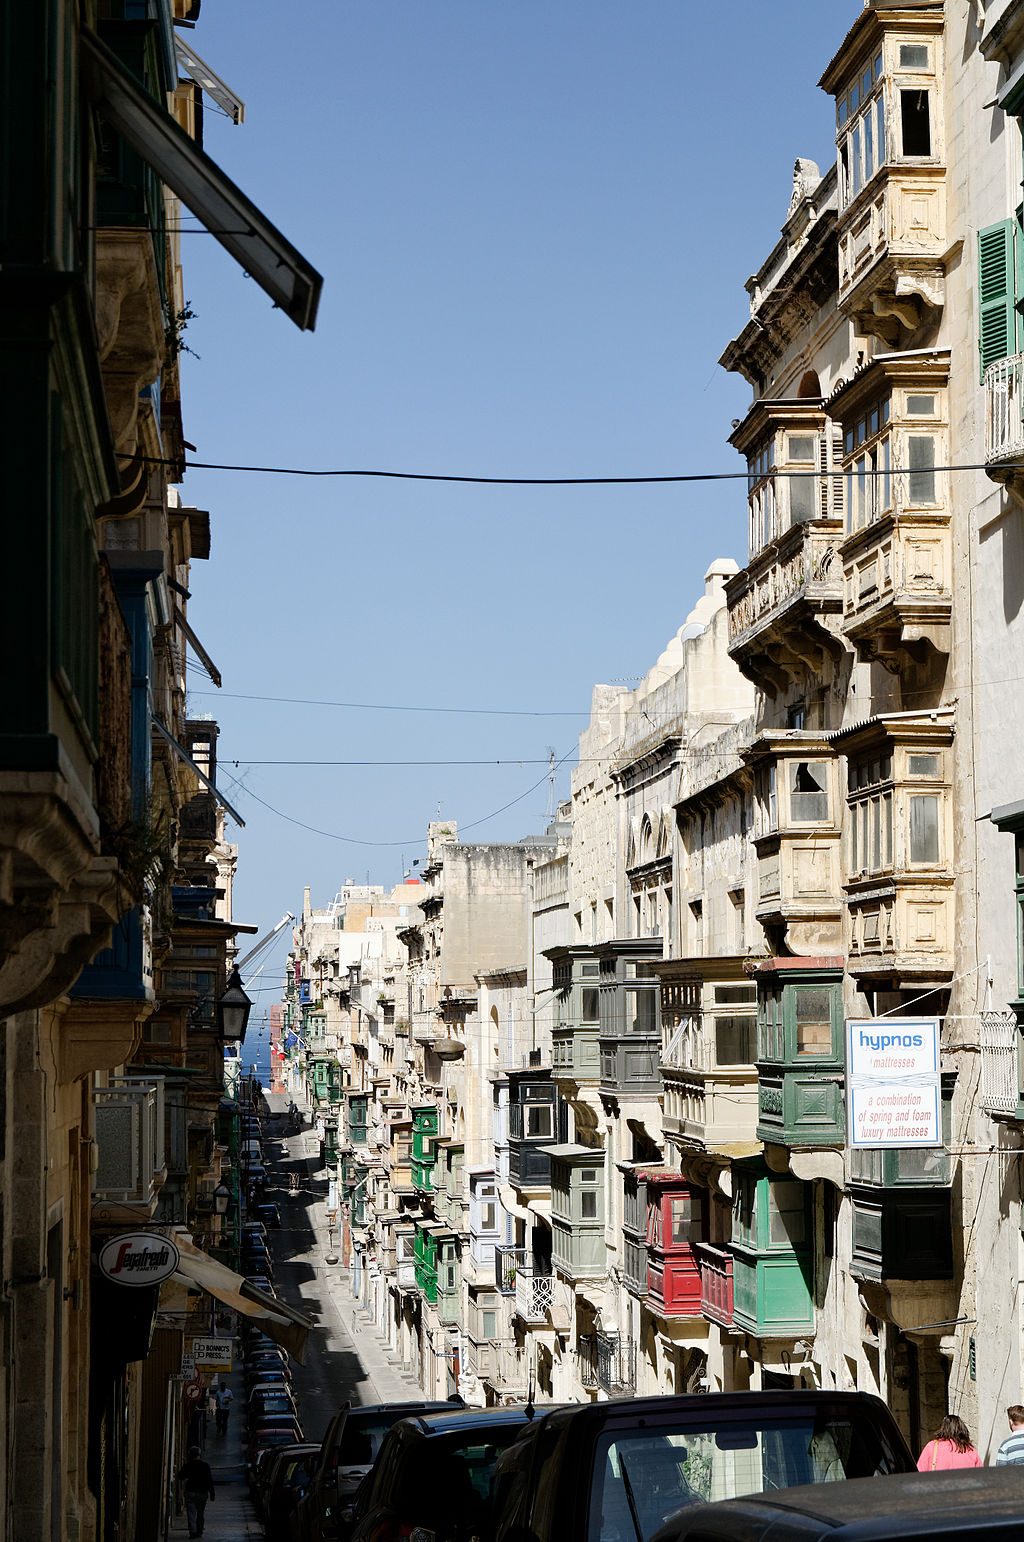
point(138, 1258)
point(893, 1084)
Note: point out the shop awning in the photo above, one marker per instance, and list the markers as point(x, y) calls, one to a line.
point(277, 1319)
point(227, 213)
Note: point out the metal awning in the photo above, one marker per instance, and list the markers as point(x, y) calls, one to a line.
point(242, 229)
point(278, 1320)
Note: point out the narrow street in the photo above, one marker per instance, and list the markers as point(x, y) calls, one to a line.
point(335, 1370)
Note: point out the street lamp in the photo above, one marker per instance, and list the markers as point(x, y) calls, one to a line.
point(233, 1008)
point(221, 1198)
point(330, 1257)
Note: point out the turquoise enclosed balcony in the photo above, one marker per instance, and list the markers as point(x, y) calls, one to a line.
point(800, 1054)
point(772, 1252)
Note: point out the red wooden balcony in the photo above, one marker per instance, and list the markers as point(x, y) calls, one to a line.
point(715, 1283)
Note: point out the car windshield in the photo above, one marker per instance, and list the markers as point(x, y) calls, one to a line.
point(361, 1438)
point(445, 1483)
point(643, 1476)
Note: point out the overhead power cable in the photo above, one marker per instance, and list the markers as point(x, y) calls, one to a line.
point(415, 840)
point(631, 481)
point(381, 706)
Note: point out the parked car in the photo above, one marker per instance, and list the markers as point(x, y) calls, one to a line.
point(262, 1282)
point(349, 1450)
point(258, 1366)
point(613, 1470)
point(256, 1261)
point(265, 1400)
point(260, 1461)
point(273, 1430)
point(253, 1231)
point(269, 1214)
point(983, 1504)
point(287, 1479)
point(433, 1475)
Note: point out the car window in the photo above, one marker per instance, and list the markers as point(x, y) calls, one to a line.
point(642, 1476)
point(362, 1439)
point(445, 1482)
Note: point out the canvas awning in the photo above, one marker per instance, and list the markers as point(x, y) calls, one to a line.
point(278, 1320)
point(242, 229)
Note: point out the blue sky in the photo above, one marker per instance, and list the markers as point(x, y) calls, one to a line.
point(534, 219)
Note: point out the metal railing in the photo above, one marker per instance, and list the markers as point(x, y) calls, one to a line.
point(507, 1263)
point(607, 1362)
point(1000, 1066)
point(534, 1295)
point(1004, 399)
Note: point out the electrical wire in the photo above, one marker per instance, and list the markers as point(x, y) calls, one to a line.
point(381, 706)
point(416, 840)
point(442, 476)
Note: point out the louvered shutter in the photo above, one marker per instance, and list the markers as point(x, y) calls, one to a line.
point(997, 325)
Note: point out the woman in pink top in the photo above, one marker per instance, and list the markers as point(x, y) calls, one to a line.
point(951, 1447)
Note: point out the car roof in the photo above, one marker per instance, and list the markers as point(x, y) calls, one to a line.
point(781, 1400)
point(455, 1419)
point(865, 1509)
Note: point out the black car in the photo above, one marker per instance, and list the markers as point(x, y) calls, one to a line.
point(617, 1470)
point(269, 1214)
point(979, 1504)
point(349, 1450)
point(432, 1479)
point(281, 1489)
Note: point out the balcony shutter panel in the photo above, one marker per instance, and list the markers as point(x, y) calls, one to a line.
point(997, 330)
point(838, 510)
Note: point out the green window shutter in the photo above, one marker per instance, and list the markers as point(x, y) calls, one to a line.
point(997, 324)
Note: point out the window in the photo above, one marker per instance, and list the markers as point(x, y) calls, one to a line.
point(642, 1011)
point(787, 1213)
point(489, 1325)
point(538, 1121)
point(870, 834)
point(924, 765)
point(685, 1220)
point(813, 1018)
point(914, 56)
point(915, 123)
point(921, 461)
point(743, 1214)
point(924, 828)
point(735, 1040)
point(697, 916)
point(761, 496)
point(588, 1193)
point(867, 459)
point(860, 115)
point(808, 791)
point(802, 490)
point(591, 997)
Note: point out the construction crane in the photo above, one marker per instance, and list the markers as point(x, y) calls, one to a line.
point(265, 941)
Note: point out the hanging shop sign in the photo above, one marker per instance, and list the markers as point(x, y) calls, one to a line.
point(211, 1354)
point(893, 1086)
point(138, 1258)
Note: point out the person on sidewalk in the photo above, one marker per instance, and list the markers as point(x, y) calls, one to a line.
point(223, 1397)
point(950, 1447)
point(196, 1479)
point(1011, 1452)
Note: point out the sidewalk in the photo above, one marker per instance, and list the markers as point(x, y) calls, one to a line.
point(230, 1517)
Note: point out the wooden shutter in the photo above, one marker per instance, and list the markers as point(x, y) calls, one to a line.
point(997, 329)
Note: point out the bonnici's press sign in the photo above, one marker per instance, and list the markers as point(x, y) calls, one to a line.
point(893, 1086)
point(138, 1258)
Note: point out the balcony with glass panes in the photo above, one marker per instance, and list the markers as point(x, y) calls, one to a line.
point(899, 883)
point(405, 1258)
point(634, 1228)
point(629, 1004)
point(676, 1225)
point(578, 1249)
point(425, 1259)
point(358, 1110)
point(897, 550)
point(797, 841)
point(709, 1054)
point(449, 1280)
point(486, 1222)
point(536, 1119)
point(424, 1146)
point(575, 1052)
point(801, 1056)
point(483, 1328)
point(892, 229)
point(772, 1252)
point(784, 606)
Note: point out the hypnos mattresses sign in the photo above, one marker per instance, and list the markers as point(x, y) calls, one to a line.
point(892, 1082)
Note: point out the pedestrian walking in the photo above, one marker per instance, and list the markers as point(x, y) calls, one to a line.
point(1011, 1452)
point(223, 1397)
point(196, 1479)
point(950, 1446)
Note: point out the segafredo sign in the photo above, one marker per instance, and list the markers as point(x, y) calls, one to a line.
point(138, 1258)
point(893, 1088)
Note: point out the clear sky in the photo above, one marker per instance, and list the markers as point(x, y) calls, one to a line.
point(534, 219)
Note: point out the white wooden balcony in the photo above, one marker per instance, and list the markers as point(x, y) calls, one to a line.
point(129, 1124)
point(534, 1295)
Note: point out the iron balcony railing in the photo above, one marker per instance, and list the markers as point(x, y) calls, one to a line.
point(1000, 1065)
point(1004, 420)
point(608, 1362)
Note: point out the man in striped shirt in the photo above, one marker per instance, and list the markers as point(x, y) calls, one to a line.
point(1011, 1452)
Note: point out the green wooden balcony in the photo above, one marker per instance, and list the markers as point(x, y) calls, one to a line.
point(772, 1252)
point(801, 1057)
point(902, 1234)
